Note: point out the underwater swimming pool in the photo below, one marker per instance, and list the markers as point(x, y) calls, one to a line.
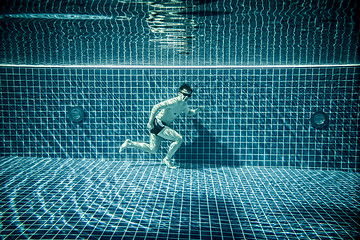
point(274, 155)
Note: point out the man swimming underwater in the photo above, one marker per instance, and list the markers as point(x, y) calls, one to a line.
point(162, 115)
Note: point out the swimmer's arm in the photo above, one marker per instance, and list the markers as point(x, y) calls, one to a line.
point(192, 112)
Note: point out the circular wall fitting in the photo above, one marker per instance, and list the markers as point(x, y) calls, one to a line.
point(319, 120)
point(76, 114)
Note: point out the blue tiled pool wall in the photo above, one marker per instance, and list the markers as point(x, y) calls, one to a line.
point(253, 117)
point(191, 32)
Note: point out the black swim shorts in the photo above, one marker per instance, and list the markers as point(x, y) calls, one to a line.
point(158, 126)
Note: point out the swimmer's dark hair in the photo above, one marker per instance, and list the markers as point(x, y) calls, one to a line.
point(185, 86)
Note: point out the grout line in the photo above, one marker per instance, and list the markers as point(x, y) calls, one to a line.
point(183, 67)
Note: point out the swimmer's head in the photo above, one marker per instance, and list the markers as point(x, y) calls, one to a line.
point(185, 92)
point(185, 86)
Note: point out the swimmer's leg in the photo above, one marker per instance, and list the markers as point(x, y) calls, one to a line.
point(170, 134)
point(151, 147)
point(125, 145)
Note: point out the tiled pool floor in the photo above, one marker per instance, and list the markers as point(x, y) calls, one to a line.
point(43, 198)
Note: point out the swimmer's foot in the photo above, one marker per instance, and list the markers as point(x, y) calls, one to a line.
point(124, 145)
point(169, 164)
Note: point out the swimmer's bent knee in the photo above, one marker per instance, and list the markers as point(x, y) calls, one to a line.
point(153, 149)
point(179, 139)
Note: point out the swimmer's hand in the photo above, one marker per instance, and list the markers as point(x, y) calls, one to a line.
point(150, 125)
point(192, 112)
point(200, 109)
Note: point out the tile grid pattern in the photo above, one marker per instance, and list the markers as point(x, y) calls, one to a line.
point(44, 198)
point(253, 117)
point(107, 32)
